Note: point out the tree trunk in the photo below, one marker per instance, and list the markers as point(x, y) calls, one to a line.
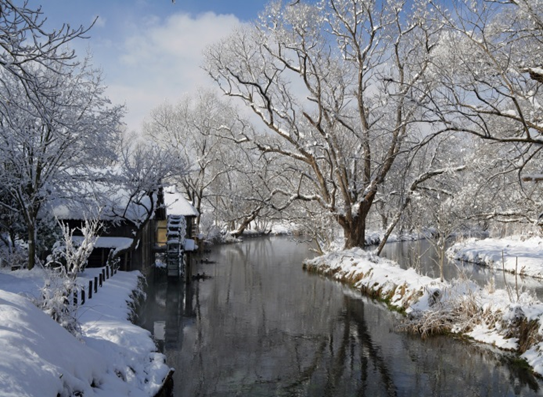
point(31, 246)
point(245, 223)
point(354, 227)
point(355, 232)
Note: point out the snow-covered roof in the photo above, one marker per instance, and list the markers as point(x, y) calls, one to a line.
point(84, 210)
point(103, 197)
point(119, 243)
point(176, 204)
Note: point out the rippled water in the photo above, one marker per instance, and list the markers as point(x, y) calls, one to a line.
point(261, 326)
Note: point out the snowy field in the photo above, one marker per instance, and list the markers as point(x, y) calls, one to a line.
point(113, 357)
point(510, 320)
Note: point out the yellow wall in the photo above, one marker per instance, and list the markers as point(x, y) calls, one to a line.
point(162, 227)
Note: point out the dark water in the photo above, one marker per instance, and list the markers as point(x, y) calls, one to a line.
point(261, 326)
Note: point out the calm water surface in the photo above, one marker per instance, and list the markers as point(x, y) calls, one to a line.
point(261, 326)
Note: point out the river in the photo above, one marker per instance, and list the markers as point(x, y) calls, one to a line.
point(261, 326)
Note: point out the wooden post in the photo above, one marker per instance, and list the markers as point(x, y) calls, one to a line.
point(95, 284)
point(103, 274)
point(107, 271)
point(82, 296)
point(90, 289)
point(100, 279)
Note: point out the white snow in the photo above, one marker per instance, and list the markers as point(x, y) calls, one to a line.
point(368, 271)
point(515, 254)
point(118, 202)
point(177, 204)
point(190, 245)
point(119, 243)
point(492, 316)
point(536, 70)
point(39, 358)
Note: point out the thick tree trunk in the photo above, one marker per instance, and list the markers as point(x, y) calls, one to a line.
point(354, 232)
point(354, 227)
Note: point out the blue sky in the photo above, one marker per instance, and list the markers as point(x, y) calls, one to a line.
point(149, 51)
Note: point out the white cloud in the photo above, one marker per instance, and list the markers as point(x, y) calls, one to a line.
point(161, 60)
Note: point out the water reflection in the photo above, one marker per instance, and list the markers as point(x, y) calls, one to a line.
point(263, 327)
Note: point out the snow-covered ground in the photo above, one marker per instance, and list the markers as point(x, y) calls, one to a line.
point(516, 254)
point(507, 319)
point(113, 357)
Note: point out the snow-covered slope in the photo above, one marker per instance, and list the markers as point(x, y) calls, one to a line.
point(39, 358)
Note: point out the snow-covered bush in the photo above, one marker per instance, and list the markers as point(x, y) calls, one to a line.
point(453, 308)
point(66, 261)
point(137, 296)
point(72, 255)
point(57, 300)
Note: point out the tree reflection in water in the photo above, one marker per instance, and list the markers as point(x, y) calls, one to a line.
point(263, 327)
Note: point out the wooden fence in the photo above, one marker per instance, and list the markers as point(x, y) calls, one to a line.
point(81, 295)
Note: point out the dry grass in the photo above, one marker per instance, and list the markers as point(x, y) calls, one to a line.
point(464, 313)
point(401, 290)
point(526, 331)
point(528, 335)
point(354, 278)
point(461, 314)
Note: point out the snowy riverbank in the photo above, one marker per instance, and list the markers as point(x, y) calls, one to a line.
point(506, 319)
point(523, 256)
point(38, 357)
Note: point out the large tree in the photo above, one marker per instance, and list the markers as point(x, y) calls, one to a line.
point(338, 86)
point(33, 63)
point(51, 131)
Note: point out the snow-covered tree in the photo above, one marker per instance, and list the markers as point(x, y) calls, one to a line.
point(24, 42)
point(72, 254)
point(193, 128)
point(51, 131)
point(68, 258)
point(247, 193)
point(489, 69)
point(224, 177)
point(127, 192)
point(338, 86)
point(26, 46)
point(430, 178)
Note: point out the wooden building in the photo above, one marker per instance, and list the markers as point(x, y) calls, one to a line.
point(135, 239)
